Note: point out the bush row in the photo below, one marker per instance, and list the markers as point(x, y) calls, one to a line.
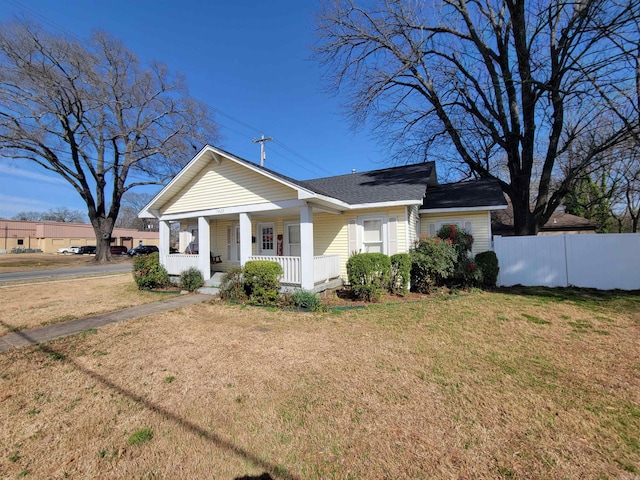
point(442, 260)
point(258, 283)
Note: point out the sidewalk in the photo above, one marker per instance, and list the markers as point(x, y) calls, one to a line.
point(44, 334)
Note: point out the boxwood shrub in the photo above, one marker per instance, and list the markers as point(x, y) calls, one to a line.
point(368, 274)
point(400, 273)
point(148, 273)
point(261, 282)
point(487, 263)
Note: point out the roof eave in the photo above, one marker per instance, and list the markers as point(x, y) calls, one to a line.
point(462, 209)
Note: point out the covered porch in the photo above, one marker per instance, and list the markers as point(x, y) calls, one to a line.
point(325, 267)
point(273, 235)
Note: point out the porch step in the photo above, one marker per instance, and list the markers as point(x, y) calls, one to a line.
point(215, 280)
point(209, 290)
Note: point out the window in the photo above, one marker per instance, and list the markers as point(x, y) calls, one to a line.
point(434, 227)
point(372, 238)
point(292, 239)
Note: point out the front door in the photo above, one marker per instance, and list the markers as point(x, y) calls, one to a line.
point(266, 239)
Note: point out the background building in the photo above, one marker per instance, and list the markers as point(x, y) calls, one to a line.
point(48, 237)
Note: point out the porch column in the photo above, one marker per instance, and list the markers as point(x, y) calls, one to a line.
point(306, 247)
point(204, 247)
point(245, 238)
point(164, 238)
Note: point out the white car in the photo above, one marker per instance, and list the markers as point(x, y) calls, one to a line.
point(69, 250)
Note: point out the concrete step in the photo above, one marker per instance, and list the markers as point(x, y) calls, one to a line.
point(215, 280)
point(209, 290)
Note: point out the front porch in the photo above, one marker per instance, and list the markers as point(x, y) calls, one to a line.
point(326, 268)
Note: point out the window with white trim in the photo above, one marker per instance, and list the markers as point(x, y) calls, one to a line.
point(292, 245)
point(372, 234)
point(434, 227)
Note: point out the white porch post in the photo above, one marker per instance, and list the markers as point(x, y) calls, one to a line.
point(204, 247)
point(306, 250)
point(245, 238)
point(164, 238)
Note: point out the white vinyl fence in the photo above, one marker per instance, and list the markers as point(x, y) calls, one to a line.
point(602, 261)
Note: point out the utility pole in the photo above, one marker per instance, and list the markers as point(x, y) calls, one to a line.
point(261, 141)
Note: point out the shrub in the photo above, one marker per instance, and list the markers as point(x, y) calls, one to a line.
point(261, 282)
point(305, 299)
point(459, 238)
point(191, 279)
point(465, 271)
point(400, 273)
point(488, 264)
point(148, 273)
point(232, 285)
point(368, 274)
point(433, 261)
point(468, 273)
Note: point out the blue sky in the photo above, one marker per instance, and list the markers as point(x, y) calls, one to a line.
point(249, 60)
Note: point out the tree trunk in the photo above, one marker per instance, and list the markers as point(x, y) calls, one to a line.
point(524, 222)
point(103, 227)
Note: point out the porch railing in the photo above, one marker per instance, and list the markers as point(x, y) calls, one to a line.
point(290, 267)
point(176, 263)
point(325, 267)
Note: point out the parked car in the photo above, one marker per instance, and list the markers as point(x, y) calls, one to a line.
point(118, 250)
point(142, 250)
point(87, 250)
point(69, 250)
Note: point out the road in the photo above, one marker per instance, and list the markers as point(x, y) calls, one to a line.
point(64, 272)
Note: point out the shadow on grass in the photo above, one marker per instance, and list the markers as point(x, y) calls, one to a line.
point(270, 469)
point(586, 296)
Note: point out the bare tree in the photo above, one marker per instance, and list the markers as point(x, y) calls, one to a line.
point(58, 214)
point(626, 181)
point(132, 203)
point(490, 86)
point(95, 115)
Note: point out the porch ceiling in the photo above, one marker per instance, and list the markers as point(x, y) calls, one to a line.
point(279, 213)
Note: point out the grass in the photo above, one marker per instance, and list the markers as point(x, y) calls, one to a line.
point(464, 387)
point(140, 436)
point(25, 307)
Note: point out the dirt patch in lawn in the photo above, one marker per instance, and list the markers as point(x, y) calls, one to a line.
point(466, 387)
point(52, 302)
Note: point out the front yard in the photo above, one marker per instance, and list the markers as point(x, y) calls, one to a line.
point(540, 384)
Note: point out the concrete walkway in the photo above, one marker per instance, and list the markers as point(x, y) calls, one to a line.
point(44, 334)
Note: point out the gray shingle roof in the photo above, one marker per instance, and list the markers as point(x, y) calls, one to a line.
point(404, 183)
point(485, 192)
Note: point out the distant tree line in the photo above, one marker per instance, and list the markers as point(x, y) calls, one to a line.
point(58, 214)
